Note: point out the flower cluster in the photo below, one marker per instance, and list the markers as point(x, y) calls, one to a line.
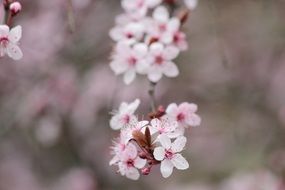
point(148, 39)
point(9, 38)
point(143, 144)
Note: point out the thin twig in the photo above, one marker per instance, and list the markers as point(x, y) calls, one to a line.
point(151, 93)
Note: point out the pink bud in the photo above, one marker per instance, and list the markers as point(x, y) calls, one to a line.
point(142, 155)
point(146, 171)
point(15, 7)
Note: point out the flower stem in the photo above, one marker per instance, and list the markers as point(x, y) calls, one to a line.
point(151, 92)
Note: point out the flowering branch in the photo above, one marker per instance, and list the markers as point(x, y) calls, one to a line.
point(148, 39)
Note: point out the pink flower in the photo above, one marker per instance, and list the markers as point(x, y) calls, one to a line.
point(169, 155)
point(129, 60)
point(130, 162)
point(125, 115)
point(164, 126)
point(9, 42)
point(184, 114)
point(160, 62)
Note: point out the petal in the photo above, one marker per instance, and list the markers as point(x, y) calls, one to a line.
point(179, 144)
point(170, 69)
point(161, 14)
point(4, 30)
point(132, 173)
point(114, 160)
point(130, 152)
point(15, 34)
point(115, 122)
point(173, 25)
point(140, 50)
point(153, 3)
point(159, 153)
point(139, 163)
point(172, 109)
point(180, 162)
point(164, 141)
point(116, 33)
point(170, 52)
point(118, 67)
point(142, 66)
point(141, 124)
point(129, 76)
point(166, 168)
point(191, 4)
point(14, 51)
point(193, 120)
point(132, 107)
point(156, 123)
point(156, 48)
point(154, 75)
point(185, 106)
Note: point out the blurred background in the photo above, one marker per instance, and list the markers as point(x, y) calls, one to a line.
point(55, 102)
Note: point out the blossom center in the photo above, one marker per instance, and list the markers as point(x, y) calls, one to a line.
point(4, 41)
point(129, 35)
point(159, 60)
point(180, 117)
point(130, 163)
point(176, 37)
point(126, 118)
point(132, 61)
point(162, 27)
point(169, 154)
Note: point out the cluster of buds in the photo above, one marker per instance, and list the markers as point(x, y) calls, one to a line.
point(9, 38)
point(144, 144)
point(148, 38)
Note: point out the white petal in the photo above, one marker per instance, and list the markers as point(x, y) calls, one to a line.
point(143, 123)
point(170, 52)
point(153, 3)
point(166, 168)
point(159, 153)
point(172, 109)
point(170, 69)
point(15, 34)
point(156, 123)
point(118, 67)
point(161, 14)
point(180, 162)
point(139, 163)
point(115, 122)
point(185, 106)
point(142, 66)
point(116, 33)
point(132, 107)
point(179, 144)
point(154, 76)
point(129, 76)
point(191, 4)
point(193, 120)
point(14, 51)
point(156, 48)
point(114, 160)
point(132, 173)
point(4, 30)
point(130, 152)
point(164, 141)
point(173, 25)
point(140, 50)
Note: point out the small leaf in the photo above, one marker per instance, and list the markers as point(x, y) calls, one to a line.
point(148, 136)
point(140, 138)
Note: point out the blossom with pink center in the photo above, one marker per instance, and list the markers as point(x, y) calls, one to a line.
point(130, 162)
point(160, 61)
point(9, 41)
point(161, 26)
point(164, 126)
point(184, 114)
point(129, 60)
point(168, 154)
point(191, 4)
point(130, 31)
point(125, 115)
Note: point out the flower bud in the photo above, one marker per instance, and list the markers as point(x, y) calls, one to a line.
point(15, 8)
point(142, 155)
point(146, 171)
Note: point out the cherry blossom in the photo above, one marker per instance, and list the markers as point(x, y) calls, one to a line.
point(184, 114)
point(125, 115)
point(130, 162)
point(169, 155)
point(164, 126)
point(129, 60)
point(9, 41)
point(160, 61)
